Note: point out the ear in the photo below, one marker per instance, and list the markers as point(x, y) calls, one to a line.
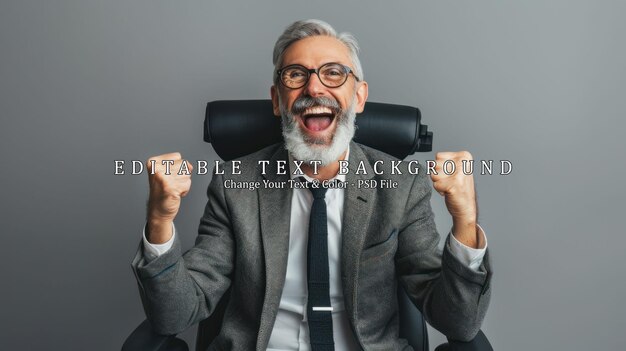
point(361, 96)
point(275, 105)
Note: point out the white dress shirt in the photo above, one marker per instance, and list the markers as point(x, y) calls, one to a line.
point(290, 330)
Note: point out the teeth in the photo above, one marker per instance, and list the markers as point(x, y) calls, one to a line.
point(317, 110)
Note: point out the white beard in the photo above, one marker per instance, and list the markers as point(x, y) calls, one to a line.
point(304, 148)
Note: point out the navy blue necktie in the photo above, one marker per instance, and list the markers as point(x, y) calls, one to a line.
point(319, 310)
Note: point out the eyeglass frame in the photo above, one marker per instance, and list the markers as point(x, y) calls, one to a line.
point(346, 69)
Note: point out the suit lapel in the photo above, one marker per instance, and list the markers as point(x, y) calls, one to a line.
point(358, 206)
point(275, 212)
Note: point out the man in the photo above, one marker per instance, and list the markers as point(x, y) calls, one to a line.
point(267, 246)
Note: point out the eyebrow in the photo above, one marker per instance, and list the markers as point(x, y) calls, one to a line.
point(325, 63)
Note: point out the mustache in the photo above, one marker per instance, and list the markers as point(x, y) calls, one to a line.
point(304, 102)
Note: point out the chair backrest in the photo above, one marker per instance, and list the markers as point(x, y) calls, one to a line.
point(239, 127)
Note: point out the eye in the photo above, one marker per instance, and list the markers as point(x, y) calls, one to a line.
point(333, 71)
point(296, 74)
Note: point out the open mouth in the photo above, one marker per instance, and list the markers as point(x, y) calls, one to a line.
point(317, 119)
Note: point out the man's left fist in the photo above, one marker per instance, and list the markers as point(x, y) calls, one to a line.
point(456, 187)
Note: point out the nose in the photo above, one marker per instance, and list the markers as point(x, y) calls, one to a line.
point(314, 86)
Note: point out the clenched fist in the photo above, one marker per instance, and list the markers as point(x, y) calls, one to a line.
point(458, 190)
point(167, 188)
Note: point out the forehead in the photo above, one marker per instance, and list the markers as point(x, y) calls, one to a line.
point(314, 51)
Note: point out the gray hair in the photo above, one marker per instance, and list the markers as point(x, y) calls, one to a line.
point(309, 28)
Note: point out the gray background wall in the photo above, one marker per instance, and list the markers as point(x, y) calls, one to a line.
point(83, 83)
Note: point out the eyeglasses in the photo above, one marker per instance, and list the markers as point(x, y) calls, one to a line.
point(332, 75)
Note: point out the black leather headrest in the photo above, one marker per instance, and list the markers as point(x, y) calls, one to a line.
point(241, 127)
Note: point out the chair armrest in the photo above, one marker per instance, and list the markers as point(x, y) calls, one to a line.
point(479, 343)
point(143, 338)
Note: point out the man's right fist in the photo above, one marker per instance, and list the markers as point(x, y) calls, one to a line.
point(167, 187)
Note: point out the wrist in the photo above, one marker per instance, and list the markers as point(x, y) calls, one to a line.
point(159, 230)
point(464, 220)
point(466, 232)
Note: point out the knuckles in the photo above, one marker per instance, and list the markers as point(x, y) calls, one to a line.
point(456, 156)
point(452, 184)
point(174, 156)
point(168, 186)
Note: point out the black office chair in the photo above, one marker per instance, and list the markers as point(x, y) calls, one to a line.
point(239, 127)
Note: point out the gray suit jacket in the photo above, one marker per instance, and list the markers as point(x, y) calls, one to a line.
point(243, 242)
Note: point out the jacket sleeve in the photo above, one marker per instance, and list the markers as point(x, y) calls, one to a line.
point(178, 290)
point(452, 297)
